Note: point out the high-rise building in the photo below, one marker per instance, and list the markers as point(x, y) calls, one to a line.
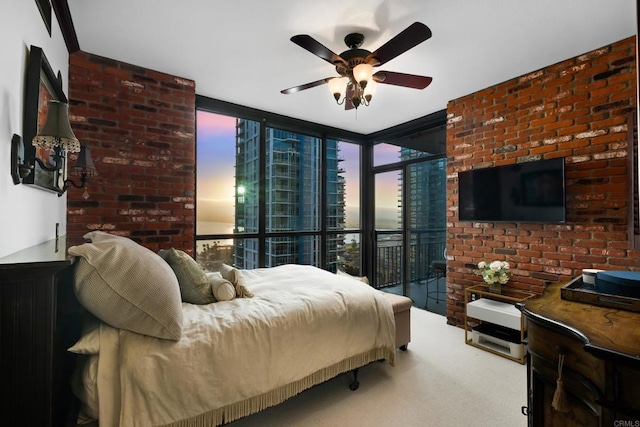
point(293, 186)
point(426, 212)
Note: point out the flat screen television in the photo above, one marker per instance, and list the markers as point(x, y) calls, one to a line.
point(524, 192)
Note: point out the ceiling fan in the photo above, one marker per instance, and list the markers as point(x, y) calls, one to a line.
point(357, 82)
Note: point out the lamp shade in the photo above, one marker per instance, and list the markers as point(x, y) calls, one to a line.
point(337, 86)
point(84, 163)
point(56, 131)
point(370, 90)
point(362, 73)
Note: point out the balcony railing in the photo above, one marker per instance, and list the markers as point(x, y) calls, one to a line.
point(426, 246)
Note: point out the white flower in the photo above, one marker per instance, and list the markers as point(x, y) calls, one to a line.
point(495, 265)
point(496, 271)
point(490, 277)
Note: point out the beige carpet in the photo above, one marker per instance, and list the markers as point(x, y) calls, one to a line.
point(439, 381)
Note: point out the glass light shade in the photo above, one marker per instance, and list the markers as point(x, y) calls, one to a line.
point(56, 131)
point(362, 73)
point(337, 85)
point(370, 90)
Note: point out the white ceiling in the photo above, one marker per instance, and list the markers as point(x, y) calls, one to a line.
point(239, 51)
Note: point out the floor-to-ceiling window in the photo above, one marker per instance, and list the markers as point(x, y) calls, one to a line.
point(268, 196)
point(272, 190)
point(343, 207)
point(410, 217)
point(388, 243)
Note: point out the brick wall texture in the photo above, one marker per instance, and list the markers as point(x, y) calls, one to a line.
point(140, 125)
point(576, 109)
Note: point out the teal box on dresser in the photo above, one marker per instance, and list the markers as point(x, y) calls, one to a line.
point(623, 283)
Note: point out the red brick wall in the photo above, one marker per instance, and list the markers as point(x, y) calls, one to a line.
point(576, 109)
point(140, 125)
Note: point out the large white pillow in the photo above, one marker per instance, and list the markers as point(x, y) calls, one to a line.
point(127, 286)
point(89, 341)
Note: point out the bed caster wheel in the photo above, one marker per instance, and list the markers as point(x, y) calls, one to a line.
point(403, 347)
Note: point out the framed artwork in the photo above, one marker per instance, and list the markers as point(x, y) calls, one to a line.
point(45, 11)
point(42, 85)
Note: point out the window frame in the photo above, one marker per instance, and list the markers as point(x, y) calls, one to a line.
point(286, 124)
point(322, 132)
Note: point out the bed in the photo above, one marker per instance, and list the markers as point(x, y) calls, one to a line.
point(288, 328)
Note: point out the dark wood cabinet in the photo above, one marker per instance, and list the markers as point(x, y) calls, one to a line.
point(601, 362)
point(39, 320)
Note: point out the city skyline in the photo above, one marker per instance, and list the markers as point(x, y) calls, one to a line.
point(215, 175)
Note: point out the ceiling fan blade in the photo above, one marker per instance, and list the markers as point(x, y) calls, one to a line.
point(412, 36)
point(401, 79)
point(305, 86)
point(312, 45)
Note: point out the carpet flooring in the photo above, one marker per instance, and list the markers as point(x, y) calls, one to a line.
point(439, 381)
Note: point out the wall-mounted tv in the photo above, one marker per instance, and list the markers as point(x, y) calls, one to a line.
point(524, 192)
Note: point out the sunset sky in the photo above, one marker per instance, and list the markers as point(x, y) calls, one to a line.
point(216, 172)
point(216, 137)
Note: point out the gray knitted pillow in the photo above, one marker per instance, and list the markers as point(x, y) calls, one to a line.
point(127, 286)
point(195, 286)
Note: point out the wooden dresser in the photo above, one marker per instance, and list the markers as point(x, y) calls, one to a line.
point(601, 362)
point(39, 320)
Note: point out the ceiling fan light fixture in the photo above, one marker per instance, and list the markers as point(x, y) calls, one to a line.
point(362, 74)
point(369, 91)
point(337, 86)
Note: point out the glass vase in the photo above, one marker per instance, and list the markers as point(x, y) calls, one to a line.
point(495, 287)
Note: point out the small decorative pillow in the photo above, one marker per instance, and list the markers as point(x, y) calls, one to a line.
point(235, 277)
point(223, 290)
point(195, 287)
point(127, 286)
point(363, 279)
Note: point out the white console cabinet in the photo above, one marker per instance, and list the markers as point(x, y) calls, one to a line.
point(493, 323)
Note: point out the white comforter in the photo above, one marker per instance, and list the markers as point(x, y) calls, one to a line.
point(301, 320)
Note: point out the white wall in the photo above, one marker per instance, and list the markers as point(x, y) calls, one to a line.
point(27, 215)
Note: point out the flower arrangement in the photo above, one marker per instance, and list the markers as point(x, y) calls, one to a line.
point(495, 274)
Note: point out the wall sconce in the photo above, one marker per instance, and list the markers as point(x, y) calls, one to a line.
point(56, 135)
point(83, 167)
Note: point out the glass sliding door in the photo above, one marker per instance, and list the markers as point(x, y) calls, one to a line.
point(388, 236)
point(426, 227)
point(410, 222)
